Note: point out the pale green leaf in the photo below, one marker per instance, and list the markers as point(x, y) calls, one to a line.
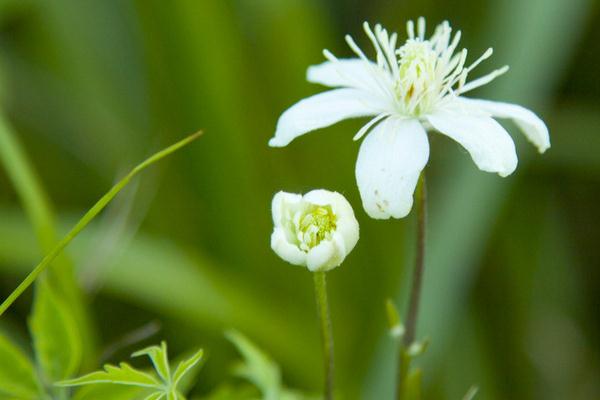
point(155, 396)
point(124, 374)
point(159, 357)
point(257, 367)
point(55, 334)
point(17, 374)
point(185, 366)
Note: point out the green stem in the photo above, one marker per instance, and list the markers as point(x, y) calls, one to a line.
point(88, 217)
point(415, 293)
point(326, 332)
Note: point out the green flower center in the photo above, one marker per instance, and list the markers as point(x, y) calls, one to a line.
point(315, 224)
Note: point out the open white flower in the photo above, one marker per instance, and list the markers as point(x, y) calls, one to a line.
point(317, 230)
point(408, 90)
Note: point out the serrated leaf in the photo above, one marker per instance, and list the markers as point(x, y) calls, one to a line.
point(257, 367)
point(185, 366)
point(55, 334)
point(17, 375)
point(112, 392)
point(124, 374)
point(155, 396)
point(159, 358)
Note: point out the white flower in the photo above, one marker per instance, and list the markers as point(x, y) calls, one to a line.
point(409, 90)
point(317, 230)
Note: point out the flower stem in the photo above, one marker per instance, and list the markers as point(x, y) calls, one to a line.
point(415, 293)
point(326, 332)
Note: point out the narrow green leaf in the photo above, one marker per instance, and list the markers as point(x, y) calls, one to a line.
point(89, 216)
point(160, 360)
point(17, 375)
point(39, 211)
point(185, 366)
point(55, 334)
point(124, 374)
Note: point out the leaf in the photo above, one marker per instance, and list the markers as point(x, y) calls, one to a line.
point(89, 216)
point(164, 388)
point(159, 358)
point(185, 366)
point(155, 396)
point(124, 374)
point(257, 367)
point(112, 392)
point(471, 393)
point(55, 334)
point(17, 375)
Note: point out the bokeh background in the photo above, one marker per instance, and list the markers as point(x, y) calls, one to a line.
point(511, 300)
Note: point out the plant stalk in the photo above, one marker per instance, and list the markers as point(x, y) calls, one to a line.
point(415, 292)
point(326, 332)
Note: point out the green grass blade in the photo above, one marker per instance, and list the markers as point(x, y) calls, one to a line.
point(89, 216)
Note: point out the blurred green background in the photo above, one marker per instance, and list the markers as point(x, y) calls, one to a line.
point(512, 289)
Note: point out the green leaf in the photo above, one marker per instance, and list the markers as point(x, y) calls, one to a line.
point(112, 392)
point(124, 374)
point(471, 393)
point(257, 367)
point(185, 366)
point(164, 385)
point(17, 375)
point(159, 358)
point(155, 396)
point(89, 216)
point(55, 334)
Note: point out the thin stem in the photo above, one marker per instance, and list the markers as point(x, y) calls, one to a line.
point(326, 332)
point(415, 293)
point(88, 217)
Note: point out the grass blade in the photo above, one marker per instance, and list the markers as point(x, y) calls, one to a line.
point(89, 216)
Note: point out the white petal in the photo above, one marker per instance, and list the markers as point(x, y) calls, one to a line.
point(490, 146)
point(352, 72)
point(532, 126)
point(284, 249)
point(326, 255)
point(281, 202)
point(389, 163)
point(323, 110)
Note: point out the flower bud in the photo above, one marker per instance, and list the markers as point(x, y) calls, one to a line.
point(316, 230)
